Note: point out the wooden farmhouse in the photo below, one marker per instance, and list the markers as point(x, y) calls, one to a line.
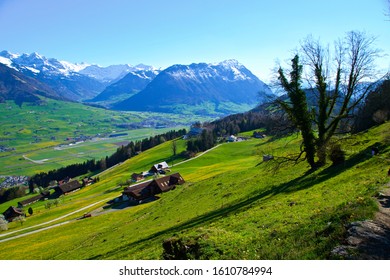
point(12, 212)
point(149, 189)
point(69, 187)
point(33, 199)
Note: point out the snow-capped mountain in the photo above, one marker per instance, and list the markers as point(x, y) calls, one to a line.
point(38, 64)
point(16, 86)
point(75, 81)
point(113, 73)
point(219, 84)
point(59, 75)
point(132, 83)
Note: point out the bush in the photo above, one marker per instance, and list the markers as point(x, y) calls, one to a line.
point(336, 154)
point(3, 223)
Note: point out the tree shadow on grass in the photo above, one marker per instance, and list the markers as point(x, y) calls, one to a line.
point(303, 182)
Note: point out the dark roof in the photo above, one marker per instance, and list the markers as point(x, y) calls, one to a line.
point(141, 191)
point(33, 199)
point(30, 200)
point(163, 183)
point(70, 186)
point(176, 179)
point(12, 212)
point(151, 188)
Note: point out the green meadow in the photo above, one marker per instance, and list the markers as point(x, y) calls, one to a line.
point(232, 206)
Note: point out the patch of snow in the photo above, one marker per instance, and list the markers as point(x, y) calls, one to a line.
point(36, 71)
point(73, 67)
point(5, 61)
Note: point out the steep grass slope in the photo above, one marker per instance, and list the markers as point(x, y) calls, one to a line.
point(233, 206)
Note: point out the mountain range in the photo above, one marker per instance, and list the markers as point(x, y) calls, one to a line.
point(222, 88)
point(126, 87)
point(21, 88)
point(199, 85)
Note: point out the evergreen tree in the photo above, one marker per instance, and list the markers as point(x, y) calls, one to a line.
point(297, 108)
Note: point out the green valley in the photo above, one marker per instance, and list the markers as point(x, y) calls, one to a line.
point(38, 138)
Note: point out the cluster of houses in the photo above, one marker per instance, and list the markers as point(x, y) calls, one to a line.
point(159, 168)
point(64, 187)
point(148, 190)
point(138, 193)
point(10, 181)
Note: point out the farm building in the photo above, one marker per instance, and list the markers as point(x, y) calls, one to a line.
point(12, 212)
point(33, 199)
point(135, 177)
point(159, 166)
point(69, 187)
point(151, 188)
point(88, 181)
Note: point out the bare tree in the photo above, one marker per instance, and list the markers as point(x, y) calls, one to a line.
point(340, 80)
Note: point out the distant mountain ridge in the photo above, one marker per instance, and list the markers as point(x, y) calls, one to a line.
point(126, 87)
point(21, 88)
point(76, 82)
point(197, 84)
point(199, 88)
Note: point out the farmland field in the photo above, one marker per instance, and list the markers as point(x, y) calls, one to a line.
point(49, 136)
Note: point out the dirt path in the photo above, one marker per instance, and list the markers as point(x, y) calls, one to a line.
point(42, 161)
point(370, 240)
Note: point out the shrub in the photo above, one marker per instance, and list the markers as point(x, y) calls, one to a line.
point(336, 154)
point(3, 223)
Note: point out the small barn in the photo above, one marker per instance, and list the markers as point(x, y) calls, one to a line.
point(12, 212)
point(159, 166)
point(135, 177)
point(34, 199)
point(69, 187)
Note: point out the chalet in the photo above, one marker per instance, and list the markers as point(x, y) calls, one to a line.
point(135, 177)
point(140, 192)
point(69, 187)
point(151, 188)
point(33, 199)
point(159, 166)
point(12, 212)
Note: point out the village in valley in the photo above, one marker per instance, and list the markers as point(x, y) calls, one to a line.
point(143, 187)
point(133, 194)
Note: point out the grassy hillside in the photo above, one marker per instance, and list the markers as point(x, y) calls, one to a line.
point(233, 206)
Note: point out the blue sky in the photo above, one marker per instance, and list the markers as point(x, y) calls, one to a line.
point(162, 33)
